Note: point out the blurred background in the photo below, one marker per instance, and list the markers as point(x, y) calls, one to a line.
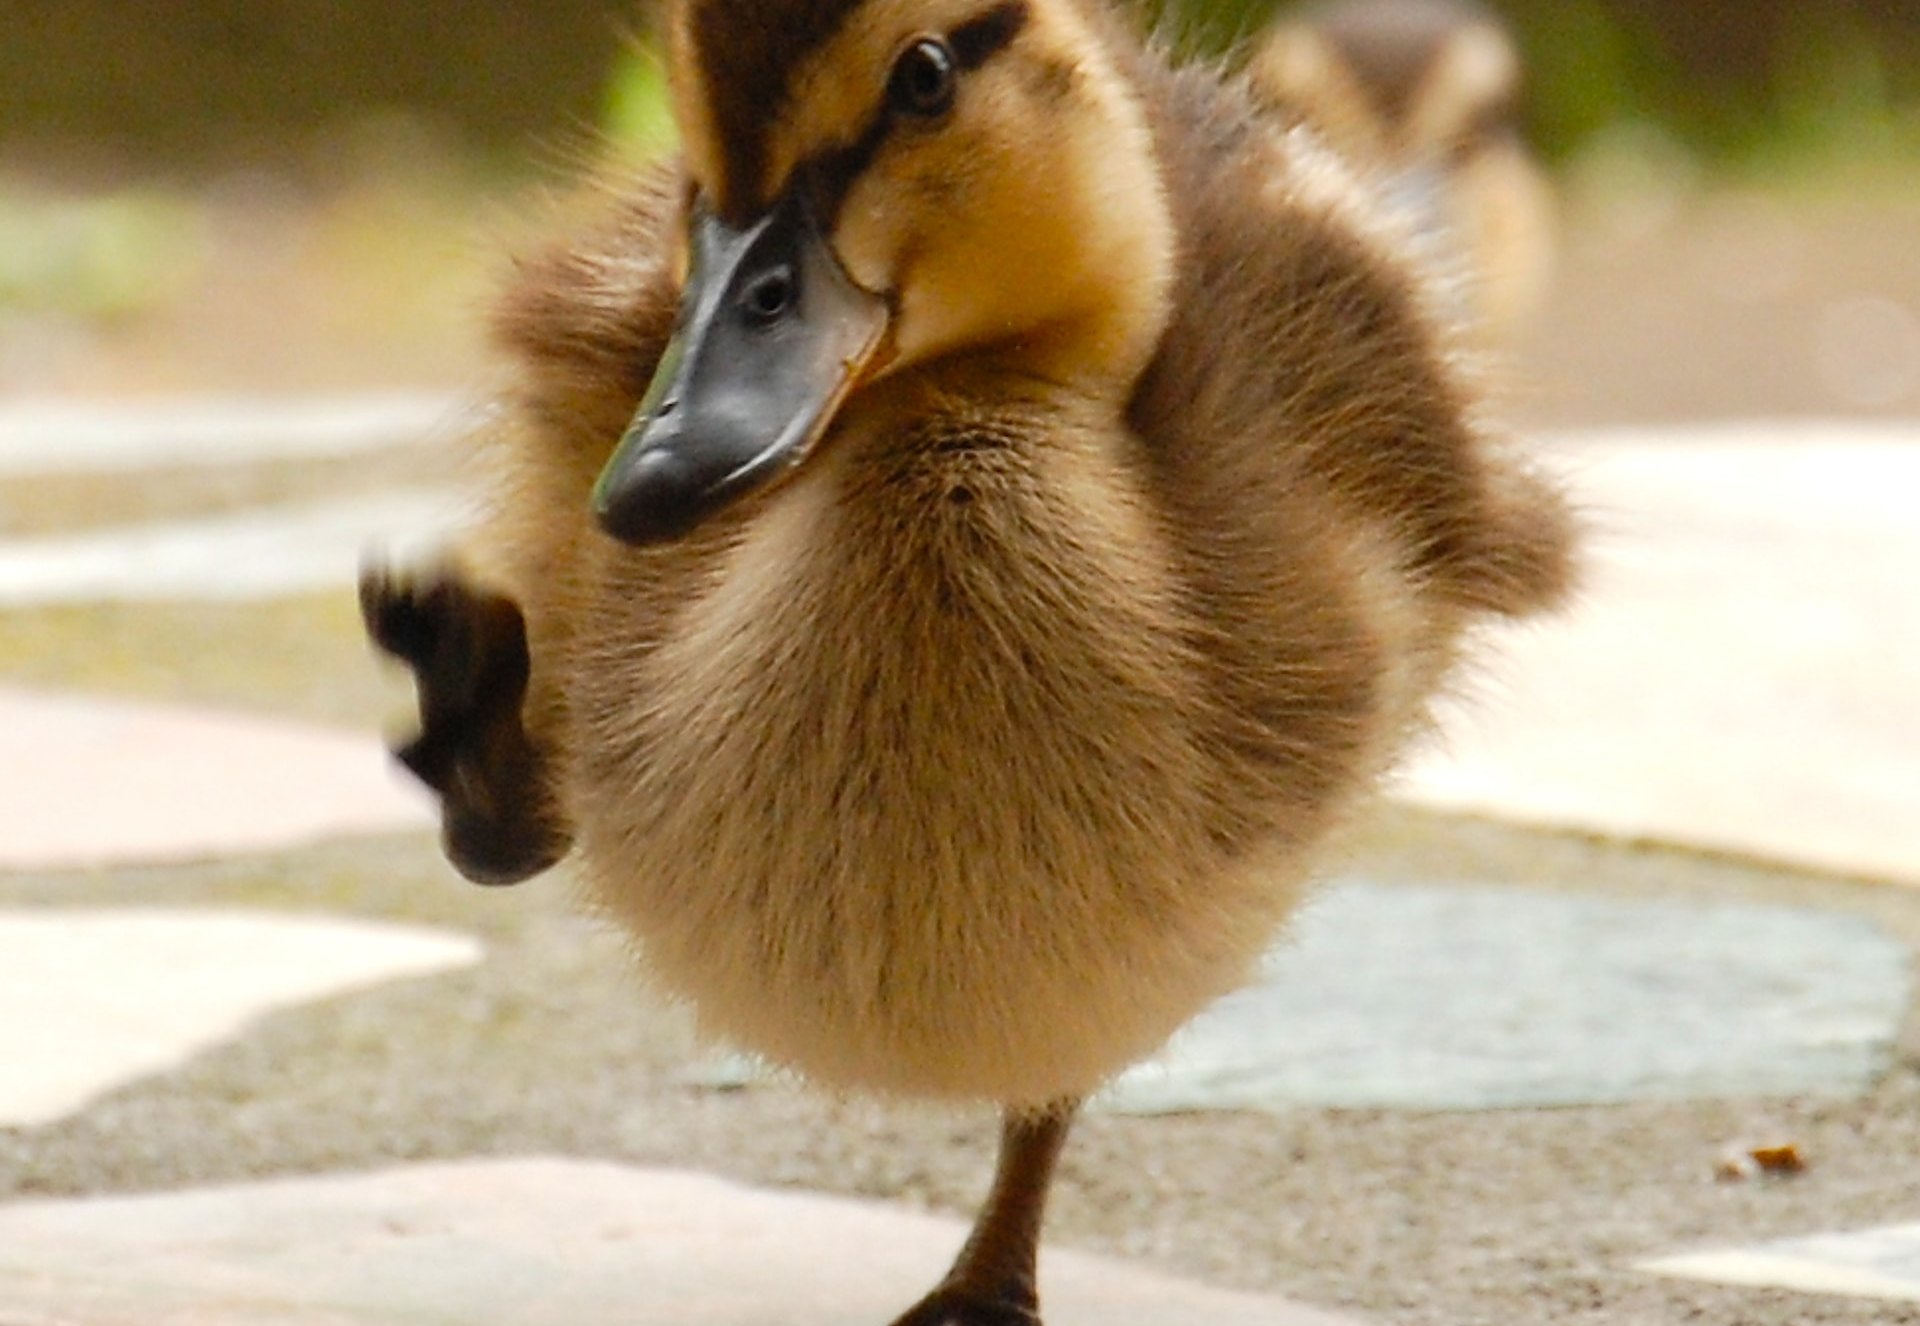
point(315, 194)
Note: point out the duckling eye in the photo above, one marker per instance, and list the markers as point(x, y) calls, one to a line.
point(922, 82)
point(768, 298)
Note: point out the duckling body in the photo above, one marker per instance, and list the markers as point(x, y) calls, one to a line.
point(985, 751)
point(978, 749)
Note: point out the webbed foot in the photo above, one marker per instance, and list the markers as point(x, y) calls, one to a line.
point(467, 648)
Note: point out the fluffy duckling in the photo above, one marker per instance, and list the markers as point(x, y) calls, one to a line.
point(962, 537)
point(1427, 92)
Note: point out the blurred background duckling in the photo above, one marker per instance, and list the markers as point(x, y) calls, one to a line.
point(1426, 95)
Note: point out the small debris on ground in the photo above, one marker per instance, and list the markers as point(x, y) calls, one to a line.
point(1740, 1163)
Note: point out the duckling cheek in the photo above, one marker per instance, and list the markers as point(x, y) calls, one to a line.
point(907, 237)
point(868, 240)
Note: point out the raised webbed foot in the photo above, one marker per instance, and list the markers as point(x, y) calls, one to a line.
point(467, 648)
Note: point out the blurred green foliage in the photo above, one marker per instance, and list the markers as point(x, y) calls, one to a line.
point(104, 258)
point(201, 82)
point(637, 117)
point(1809, 82)
point(1840, 93)
point(1760, 81)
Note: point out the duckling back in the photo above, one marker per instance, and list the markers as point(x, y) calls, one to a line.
point(1343, 511)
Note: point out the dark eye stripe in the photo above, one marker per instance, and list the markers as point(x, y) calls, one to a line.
point(830, 174)
point(749, 58)
point(978, 40)
point(827, 176)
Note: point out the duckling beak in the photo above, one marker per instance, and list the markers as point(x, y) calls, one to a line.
point(772, 336)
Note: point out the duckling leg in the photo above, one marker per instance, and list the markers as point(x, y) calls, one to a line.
point(994, 1282)
point(468, 651)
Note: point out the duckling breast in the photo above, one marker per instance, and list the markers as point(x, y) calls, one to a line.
point(914, 792)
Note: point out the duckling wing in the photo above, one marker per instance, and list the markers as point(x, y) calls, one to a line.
point(1312, 364)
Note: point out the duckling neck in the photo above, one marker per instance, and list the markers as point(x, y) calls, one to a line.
point(1038, 408)
point(1115, 293)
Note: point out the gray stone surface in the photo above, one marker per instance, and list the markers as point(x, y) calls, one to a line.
point(530, 1242)
point(1467, 998)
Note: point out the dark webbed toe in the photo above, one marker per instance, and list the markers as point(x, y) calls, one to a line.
point(467, 648)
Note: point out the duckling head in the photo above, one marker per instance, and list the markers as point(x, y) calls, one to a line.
point(875, 187)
